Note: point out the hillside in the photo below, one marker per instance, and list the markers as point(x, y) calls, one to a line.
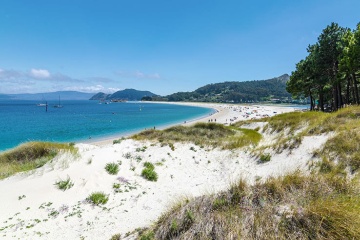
point(249, 91)
point(64, 95)
point(127, 94)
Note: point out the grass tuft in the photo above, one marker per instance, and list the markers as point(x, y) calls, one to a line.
point(201, 134)
point(98, 198)
point(64, 184)
point(149, 172)
point(30, 156)
point(112, 168)
point(265, 158)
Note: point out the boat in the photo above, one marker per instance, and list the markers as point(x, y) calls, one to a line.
point(42, 104)
point(58, 105)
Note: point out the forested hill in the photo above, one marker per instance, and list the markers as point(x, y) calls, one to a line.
point(249, 91)
point(127, 94)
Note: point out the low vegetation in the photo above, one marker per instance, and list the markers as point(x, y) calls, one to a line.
point(98, 198)
point(30, 156)
point(265, 158)
point(149, 172)
point(112, 168)
point(321, 204)
point(203, 134)
point(291, 207)
point(64, 184)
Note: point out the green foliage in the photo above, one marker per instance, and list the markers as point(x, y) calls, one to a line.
point(149, 172)
point(149, 235)
point(98, 198)
point(265, 158)
point(116, 237)
point(30, 156)
point(64, 184)
point(117, 141)
point(328, 75)
point(149, 165)
point(321, 204)
point(112, 168)
point(248, 91)
point(295, 206)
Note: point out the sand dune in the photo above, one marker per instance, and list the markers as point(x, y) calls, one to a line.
point(33, 208)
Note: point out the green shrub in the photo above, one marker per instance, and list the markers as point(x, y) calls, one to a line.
point(98, 198)
point(64, 184)
point(265, 158)
point(149, 165)
point(210, 134)
point(29, 156)
point(116, 237)
point(112, 168)
point(147, 236)
point(149, 174)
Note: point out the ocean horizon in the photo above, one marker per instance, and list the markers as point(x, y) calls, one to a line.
point(83, 120)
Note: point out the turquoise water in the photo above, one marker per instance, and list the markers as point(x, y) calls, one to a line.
point(23, 121)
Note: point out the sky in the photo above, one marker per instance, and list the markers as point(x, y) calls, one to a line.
point(161, 46)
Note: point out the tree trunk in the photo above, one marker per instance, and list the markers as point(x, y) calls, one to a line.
point(340, 98)
point(321, 101)
point(311, 102)
point(335, 98)
point(355, 88)
point(347, 97)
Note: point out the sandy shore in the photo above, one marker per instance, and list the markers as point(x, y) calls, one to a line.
point(223, 113)
point(33, 208)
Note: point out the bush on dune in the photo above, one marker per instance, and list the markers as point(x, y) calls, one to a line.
point(210, 134)
point(30, 156)
point(295, 206)
point(322, 204)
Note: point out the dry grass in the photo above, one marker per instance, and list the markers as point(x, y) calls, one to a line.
point(204, 134)
point(323, 204)
point(30, 156)
point(290, 207)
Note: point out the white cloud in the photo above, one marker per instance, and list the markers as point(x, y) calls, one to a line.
point(100, 80)
point(138, 75)
point(40, 80)
point(112, 90)
point(92, 89)
point(40, 73)
point(10, 75)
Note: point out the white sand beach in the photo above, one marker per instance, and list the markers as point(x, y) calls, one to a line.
point(33, 208)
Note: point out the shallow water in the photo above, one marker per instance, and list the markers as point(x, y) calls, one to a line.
point(22, 121)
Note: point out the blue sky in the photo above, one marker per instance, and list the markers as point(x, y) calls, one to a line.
point(160, 46)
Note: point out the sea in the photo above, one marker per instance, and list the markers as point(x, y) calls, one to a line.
point(77, 121)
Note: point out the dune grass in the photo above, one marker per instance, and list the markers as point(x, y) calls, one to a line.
point(295, 206)
point(204, 134)
point(64, 184)
point(30, 156)
point(98, 198)
point(112, 168)
point(149, 172)
point(291, 128)
point(322, 204)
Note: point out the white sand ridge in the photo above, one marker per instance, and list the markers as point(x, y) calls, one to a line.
point(33, 208)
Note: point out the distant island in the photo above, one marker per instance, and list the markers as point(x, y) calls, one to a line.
point(126, 94)
point(271, 90)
